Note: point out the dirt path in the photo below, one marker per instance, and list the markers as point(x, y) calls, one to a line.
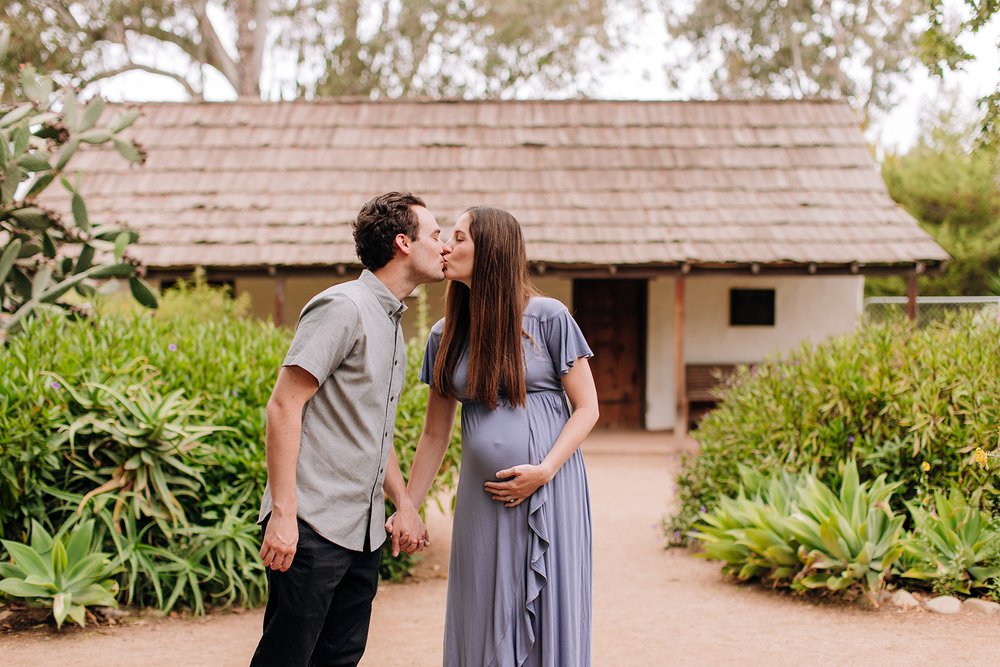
point(650, 607)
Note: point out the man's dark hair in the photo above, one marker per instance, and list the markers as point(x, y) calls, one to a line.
point(378, 223)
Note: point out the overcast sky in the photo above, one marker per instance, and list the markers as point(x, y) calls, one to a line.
point(638, 72)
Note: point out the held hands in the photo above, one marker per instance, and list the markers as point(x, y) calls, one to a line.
point(408, 532)
point(523, 480)
point(280, 540)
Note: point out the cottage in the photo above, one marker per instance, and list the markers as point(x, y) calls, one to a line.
point(684, 236)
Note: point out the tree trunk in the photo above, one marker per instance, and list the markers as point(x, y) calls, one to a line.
point(249, 46)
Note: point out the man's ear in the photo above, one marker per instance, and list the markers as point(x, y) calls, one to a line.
point(402, 244)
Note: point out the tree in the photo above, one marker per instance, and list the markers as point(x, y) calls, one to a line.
point(90, 40)
point(951, 189)
point(801, 48)
point(41, 257)
point(941, 52)
point(326, 47)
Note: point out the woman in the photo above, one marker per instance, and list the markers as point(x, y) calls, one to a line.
point(519, 583)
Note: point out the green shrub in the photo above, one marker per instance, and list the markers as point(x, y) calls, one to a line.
point(229, 364)
point(65, 572)
point(155, 424)
point(797, 532)
point(910, 404)
point(955, 547)
point(410, 413)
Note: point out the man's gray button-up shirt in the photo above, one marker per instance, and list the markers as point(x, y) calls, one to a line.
point(348, 338)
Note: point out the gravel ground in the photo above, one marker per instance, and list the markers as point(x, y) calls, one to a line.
point(651, 607)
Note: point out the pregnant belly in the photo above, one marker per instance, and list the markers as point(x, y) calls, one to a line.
point(492, 440)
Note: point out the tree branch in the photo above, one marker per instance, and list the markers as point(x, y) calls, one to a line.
point(215, 51)
point(143, 68)
point(62, 10)
point(186, 45)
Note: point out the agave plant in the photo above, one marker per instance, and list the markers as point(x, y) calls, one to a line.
point(798, 532)
point(955, 546)
point(750, 533)
point(141, 445)
point(67, 576)
point(846, 539)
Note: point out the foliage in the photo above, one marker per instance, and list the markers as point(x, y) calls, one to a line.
point(140, 444)
point(801, 49)
point(42, 258)
point(952, 190)
point(794, 531)
point(187, 398)
point(910, 403)
point(940, 51)
point(335, 47)
point(64, 572)
point(797, 532)
point(409, 425)
point(154, 424)
point(954, 546)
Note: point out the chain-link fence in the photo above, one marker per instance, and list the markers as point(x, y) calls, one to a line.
point(880, 309)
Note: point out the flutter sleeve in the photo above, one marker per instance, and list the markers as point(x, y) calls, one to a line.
point(565, 341)
point(430, 353)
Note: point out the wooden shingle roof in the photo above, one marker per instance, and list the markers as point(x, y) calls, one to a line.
point(594, 183)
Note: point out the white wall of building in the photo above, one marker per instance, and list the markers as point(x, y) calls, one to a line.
point(661, 404)
point(807, 308)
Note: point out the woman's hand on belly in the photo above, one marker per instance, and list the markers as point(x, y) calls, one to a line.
point(521, 482)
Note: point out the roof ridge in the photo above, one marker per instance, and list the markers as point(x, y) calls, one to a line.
point(353, 99)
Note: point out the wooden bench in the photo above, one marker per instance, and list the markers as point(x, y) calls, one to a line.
point(700, 381)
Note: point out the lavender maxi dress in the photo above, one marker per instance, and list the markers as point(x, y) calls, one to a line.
point(519, 583)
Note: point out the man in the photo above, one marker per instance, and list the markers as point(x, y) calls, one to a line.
point(330, 422)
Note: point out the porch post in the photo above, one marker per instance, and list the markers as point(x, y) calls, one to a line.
point(911, 297)
point(680, 382)
point(279, 295)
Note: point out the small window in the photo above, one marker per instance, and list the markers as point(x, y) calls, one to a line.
point(751, 307)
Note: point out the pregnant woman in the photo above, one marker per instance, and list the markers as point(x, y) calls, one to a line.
point(519, 583)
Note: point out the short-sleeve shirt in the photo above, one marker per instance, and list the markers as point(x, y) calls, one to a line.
point(349, 338)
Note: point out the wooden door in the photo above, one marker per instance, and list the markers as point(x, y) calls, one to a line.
point(612, 315)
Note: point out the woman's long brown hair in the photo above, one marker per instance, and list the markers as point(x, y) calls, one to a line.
point(487, 318)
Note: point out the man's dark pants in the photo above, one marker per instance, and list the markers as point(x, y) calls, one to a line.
point(318, 611)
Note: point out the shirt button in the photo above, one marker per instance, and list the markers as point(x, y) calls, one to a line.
point(381, 470)
point(395, 363)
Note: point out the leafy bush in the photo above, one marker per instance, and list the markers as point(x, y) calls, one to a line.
point(797, 532)
point(910, 404)
point(954, 546)
point(951, 188)
point(41, 257)
point(792, 530)
point(64, 572)
point(154, 424)
point(409, 425)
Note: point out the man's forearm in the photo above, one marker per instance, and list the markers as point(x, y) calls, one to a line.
point(394, 485)
point(284, 429)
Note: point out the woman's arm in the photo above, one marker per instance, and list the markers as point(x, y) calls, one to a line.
point(438, 424)
point(526, 479)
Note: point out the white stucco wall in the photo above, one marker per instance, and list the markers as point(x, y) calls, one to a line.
point(660, 402)
point(809, 308)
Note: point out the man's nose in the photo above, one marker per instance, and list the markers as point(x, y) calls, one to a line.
point(446, 248)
